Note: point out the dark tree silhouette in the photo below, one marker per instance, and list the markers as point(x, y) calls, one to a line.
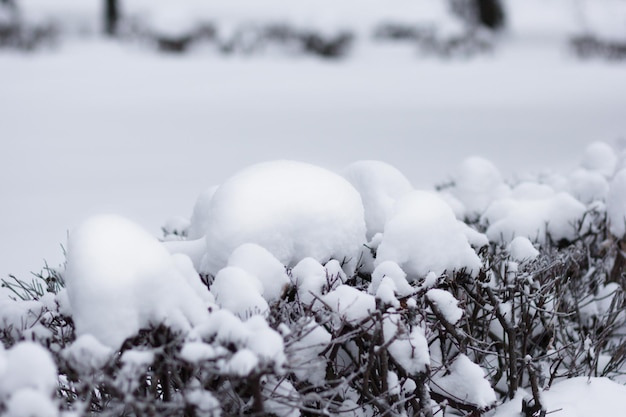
point(111, 16)
point(490, 13)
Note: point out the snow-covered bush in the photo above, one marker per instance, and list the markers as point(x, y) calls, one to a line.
point(439, 319)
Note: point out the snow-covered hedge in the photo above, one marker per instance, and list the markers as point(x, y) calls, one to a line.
point(295, 291)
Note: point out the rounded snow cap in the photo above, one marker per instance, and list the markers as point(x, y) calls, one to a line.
point(380, 185)
point(600, 157)
point(293, 209)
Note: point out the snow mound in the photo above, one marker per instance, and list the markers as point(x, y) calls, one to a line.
point(424, 235)
point(28, 380)
point(87, 353)
point(306, 350)
point(534, 216)
point(199, 221)
point(253, 335)
point(588, 186)
point(292, 209)
point(522, 249)
point(238, 291)
point(380, 185)
point(466, 381)
point(27, 365)
point(120, 279)
point(351, 304)
point(600, 157)
point(408, 348)
point(477, 182)
point(259, 262)
point(309, 277)
point(446, 304)
point(616, 205)
point(391, 270)
point(574, 397)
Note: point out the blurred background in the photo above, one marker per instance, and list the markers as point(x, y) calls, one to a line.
point(136, 106)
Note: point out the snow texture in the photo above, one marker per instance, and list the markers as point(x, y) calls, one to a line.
point(588, 186)
point(522, 249)
point(424, 235)
point(574, 397)
point(28, 380)
point(258, 261)
point(309, 277)
point(87, 353)
point(379, 185)
point(477, 182)
point(293, 209)
point(447, 305)
point(199, 221)
point(391, 270)
point(120, 279)
point(305, 353)
point(535, 212)
point(240, 292)
point(408, 349)
point(465, 382)
point(600, 157)
point(351, 304)
point(616, 205)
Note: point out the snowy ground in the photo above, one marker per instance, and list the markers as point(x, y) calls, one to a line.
point(95, 127)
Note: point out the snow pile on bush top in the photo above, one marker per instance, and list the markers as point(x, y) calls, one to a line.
point(292, 209)
point(380, 185)
point(574, 397)
point(424, 235)
point(28, 381)
point(616, 205)
point(477, 182)
point(120, 279)
point(534, 211)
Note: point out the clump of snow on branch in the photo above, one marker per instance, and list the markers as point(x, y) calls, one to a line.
point(28, 381)
point(259, 262)
point(424, 236)
point(120, 279)
point(294, 210)
point(476, 183)
point(380, 185)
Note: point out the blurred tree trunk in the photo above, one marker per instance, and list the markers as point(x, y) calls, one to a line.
point(490, 13)
point(111, 16)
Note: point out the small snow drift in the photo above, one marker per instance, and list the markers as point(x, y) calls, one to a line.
point(616, 205)
point(534, 211)
point(574, 397)
point(424, 235)
point(292, 209)
point(380, 185)
point(477, 182)
point(28, 381)
point(120, 279)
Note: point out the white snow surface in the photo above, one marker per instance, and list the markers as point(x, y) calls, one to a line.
point(258, 261)
point(465, 382)
point(293, 209)
point(239, 292)
point(379, 185)
point(392, 271)
point(309, 277)
point(87, 353)
point(600, 157)
point(575, 397)
point(408, 349)
point(351, 304)
point(120, 279)
point(27, 365)
point(424, 236)
point(522, 249)
point(199, 218)
point(446, 303)
point(477, 182)
point(616, 205)
point(537, 211)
